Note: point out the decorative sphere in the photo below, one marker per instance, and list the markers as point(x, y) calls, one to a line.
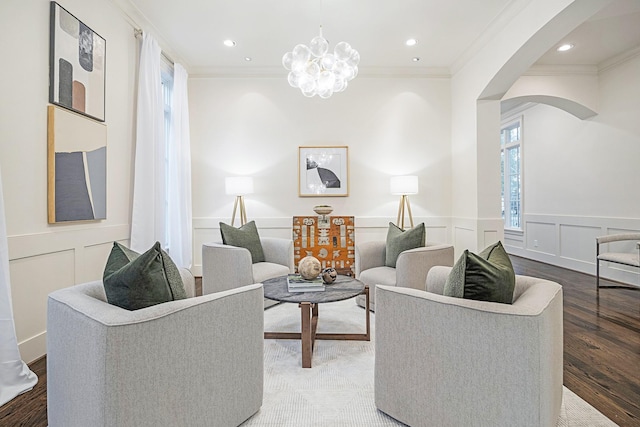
point(309, 267)
point(329, 275)
point(319, 46)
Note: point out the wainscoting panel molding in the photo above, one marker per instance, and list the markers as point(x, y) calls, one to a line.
point(44, 262)
point(570, 242)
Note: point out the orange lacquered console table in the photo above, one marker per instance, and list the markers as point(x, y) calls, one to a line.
point(331, 239)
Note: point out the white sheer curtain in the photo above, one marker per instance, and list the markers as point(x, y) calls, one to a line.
point(162, 177)
point(15, 375)
point(179, 182)
point(148, 213)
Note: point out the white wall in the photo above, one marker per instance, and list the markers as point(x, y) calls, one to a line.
point(46, 257)
point(254, 126)
point(581, 177)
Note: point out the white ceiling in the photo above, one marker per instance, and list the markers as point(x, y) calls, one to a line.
point(611, 32)
point(192, 31)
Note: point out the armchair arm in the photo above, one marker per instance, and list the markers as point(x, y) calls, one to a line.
point(278, 251)
point(414, 264)
point(436, 279)
point(617, 238)
point(369, 255)
point(225, 267)
point(189, 282)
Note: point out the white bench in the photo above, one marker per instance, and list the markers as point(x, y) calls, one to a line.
point(625, 258)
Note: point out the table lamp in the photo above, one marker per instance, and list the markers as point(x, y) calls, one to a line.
point(403, 186)
point(239, 186)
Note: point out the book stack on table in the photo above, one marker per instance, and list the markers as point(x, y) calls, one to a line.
point(296, 283)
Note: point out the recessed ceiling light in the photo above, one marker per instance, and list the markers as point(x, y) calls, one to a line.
point(411, 42)
point(415, 59)
point(247, 58)
point(565, 47)
point(229, 43)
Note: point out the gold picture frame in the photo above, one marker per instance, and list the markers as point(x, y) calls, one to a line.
point(77, 167)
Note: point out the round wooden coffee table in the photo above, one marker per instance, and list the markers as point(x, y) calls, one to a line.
point(344, 287)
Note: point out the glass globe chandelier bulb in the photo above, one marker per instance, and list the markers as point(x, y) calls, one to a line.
point(307, 83)
point(326, 80)
point(287, 60)
point(349, 73)
point(313, 69)
point(325, 94)
point(293, 79)
point(353, 59)
point(340, 69)
point(328, 61)
point(301, 53)
point(319, 46)
point(298, 66)
point(342, 51)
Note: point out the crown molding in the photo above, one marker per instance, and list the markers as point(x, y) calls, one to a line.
point(139, 21)
point(561, 70)
point(512, 9)
point(618, 59)
point(513, 109)
point(280, 72)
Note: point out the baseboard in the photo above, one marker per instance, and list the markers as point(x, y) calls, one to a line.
point(33, 348)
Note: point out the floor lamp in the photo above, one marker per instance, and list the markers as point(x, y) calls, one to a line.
point(404, 186)
point(239, 186)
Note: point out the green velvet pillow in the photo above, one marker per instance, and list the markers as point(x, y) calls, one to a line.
point(487, 276)
point(133, 281)
point(119, 257)
point(244, 237)
point(399, 240)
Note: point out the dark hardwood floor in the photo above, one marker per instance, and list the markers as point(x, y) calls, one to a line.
point(28, 409)
point(601, 350)
point(601, 341)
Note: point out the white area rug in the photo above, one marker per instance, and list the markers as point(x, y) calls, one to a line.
point(338, 389)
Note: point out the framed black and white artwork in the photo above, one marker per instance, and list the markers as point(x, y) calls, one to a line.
point(323, 171)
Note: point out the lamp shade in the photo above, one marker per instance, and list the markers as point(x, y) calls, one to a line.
point(238, 185)
point(403, 185)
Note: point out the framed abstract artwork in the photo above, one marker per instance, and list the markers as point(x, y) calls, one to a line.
point(323, 171)
point(77, 60)
point(77, 167)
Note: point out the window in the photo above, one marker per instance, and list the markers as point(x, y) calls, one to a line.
point(511, 173)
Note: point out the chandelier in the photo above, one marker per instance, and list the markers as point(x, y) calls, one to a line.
point(316, 71)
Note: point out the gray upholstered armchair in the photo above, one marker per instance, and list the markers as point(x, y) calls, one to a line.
point(457, 362)
point(227, 267)
point(632, 259)
point(192, 362)
point(411, 268)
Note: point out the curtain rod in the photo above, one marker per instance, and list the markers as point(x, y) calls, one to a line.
point(137, 33)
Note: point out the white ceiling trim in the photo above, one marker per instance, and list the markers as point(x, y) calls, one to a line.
point(618, 59)
point(139, 21)
point(280, 72)
point(512, 9)
point(561, 70)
